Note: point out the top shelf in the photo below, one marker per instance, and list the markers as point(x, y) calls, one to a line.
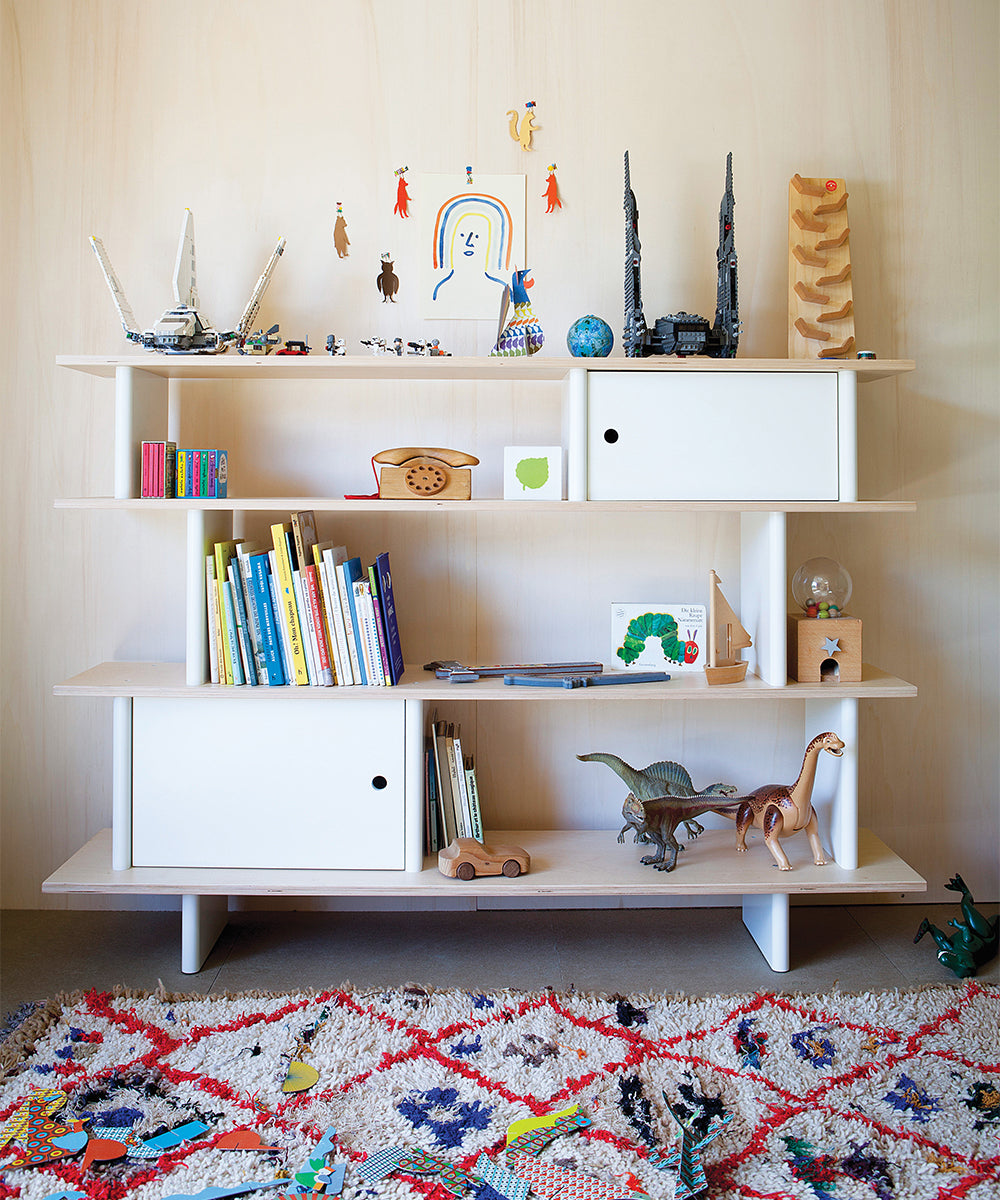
point(473, 369)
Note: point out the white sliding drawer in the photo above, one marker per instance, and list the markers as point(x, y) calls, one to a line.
point(261, 782)
point(712, 435)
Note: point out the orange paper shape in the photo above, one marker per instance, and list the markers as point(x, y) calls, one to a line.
point(243, 1139)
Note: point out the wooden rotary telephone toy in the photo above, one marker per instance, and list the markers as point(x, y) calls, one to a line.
point(424, 473)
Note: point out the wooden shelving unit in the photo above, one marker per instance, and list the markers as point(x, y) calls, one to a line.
point(151, 697)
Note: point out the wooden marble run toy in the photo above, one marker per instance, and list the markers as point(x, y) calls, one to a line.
point(820, 292)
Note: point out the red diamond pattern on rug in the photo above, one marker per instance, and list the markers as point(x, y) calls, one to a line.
point(893, 1095)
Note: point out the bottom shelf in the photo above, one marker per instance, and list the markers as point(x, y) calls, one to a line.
point(563, 863)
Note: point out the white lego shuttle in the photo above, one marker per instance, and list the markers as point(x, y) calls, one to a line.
point(184, 329)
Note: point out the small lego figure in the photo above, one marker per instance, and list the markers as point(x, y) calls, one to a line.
point(335, 345)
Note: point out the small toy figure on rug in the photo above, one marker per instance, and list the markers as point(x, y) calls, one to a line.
point(523, 334)
point(976, 940)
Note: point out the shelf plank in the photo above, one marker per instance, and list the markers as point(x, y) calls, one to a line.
point(563, 863)
point(332, 504)
point(166, 680)
point(472, 369)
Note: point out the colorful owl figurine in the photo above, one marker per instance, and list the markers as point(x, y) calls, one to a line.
point(522, 335)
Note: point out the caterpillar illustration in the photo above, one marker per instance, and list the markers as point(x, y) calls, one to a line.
point(662, 626)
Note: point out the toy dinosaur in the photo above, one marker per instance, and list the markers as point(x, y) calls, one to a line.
point(976, 940)
point(780, 809)
point(661, 796)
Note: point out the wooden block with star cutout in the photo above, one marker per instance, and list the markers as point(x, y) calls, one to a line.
point(824, 650)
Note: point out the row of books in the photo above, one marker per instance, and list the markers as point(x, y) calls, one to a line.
point(451, 790)
point(169, 473)
point(300, 612)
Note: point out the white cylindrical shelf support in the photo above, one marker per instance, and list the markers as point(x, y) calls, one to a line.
point(847, 426)
point(413, 759)
point(575, 420)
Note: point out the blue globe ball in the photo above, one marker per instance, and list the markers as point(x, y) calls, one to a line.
point(590, 337)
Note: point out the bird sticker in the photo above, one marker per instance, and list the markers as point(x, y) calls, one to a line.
point(387, 281)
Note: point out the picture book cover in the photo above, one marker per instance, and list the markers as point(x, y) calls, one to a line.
point(657, 636)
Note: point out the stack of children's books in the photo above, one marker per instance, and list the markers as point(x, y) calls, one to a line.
point(169, 473)
point(451, 792)
point(300, 612)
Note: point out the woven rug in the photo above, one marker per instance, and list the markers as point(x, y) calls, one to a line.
point(415, 1092)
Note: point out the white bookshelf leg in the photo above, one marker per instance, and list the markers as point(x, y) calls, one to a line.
point(575, 420)
point(766, 917)
point(835, 792)
point(121, 784)
point(140, 416)
point(413, 766)
point(762, 592)
point(203, 918)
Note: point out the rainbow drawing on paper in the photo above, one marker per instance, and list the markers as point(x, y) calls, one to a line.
point(474, 234)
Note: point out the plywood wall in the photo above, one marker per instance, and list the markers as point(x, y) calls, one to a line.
point(115, 117)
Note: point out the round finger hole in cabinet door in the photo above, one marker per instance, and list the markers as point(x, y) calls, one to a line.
point(611, 436)
point(379, 782)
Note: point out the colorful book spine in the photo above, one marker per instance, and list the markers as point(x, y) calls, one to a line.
point(383, 648)
point(221, 474)
point(473, 789)
point(314, 601)
point(168, 471)
point(233, 662)
point(224, 551)
point(212, 606)
point(276, 605)
point(280, 534)
point(369, 642)
point(182, 473)
point(270, 648)
point(446, 810)
point(327, 597)
point(351, 572)
point(305, 624)
point(247, 662)
point(463, 787)
point(454, 776)
point(243, 553)
point(387, 602)
point(203, 474)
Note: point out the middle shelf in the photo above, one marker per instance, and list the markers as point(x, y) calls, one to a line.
point(167, 681)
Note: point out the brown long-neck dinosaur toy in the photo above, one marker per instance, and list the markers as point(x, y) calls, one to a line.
point(780, 809)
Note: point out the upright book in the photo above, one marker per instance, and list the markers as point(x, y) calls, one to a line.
point(387, 602)
point(281, 535)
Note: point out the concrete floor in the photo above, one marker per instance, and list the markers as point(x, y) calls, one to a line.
point(694, 950)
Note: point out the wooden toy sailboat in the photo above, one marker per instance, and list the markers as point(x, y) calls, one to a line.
point(726, 638)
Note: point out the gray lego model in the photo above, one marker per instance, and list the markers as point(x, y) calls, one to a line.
point(682, 333)
point(184, 329)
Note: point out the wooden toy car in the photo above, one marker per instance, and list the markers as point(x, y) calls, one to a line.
point(465, 858)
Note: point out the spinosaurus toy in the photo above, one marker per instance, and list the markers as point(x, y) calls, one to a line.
point(976, 940)
point(661, 796)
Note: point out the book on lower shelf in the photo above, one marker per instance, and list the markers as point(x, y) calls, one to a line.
point(299, 612)
point(451, 796)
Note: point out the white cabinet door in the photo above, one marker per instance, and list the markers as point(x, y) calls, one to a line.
point(291, 782)
point(712, 435)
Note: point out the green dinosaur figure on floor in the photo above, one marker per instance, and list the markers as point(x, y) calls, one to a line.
point(976, 940)
point(661, 796)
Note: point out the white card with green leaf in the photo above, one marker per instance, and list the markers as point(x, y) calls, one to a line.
point(532, 473)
